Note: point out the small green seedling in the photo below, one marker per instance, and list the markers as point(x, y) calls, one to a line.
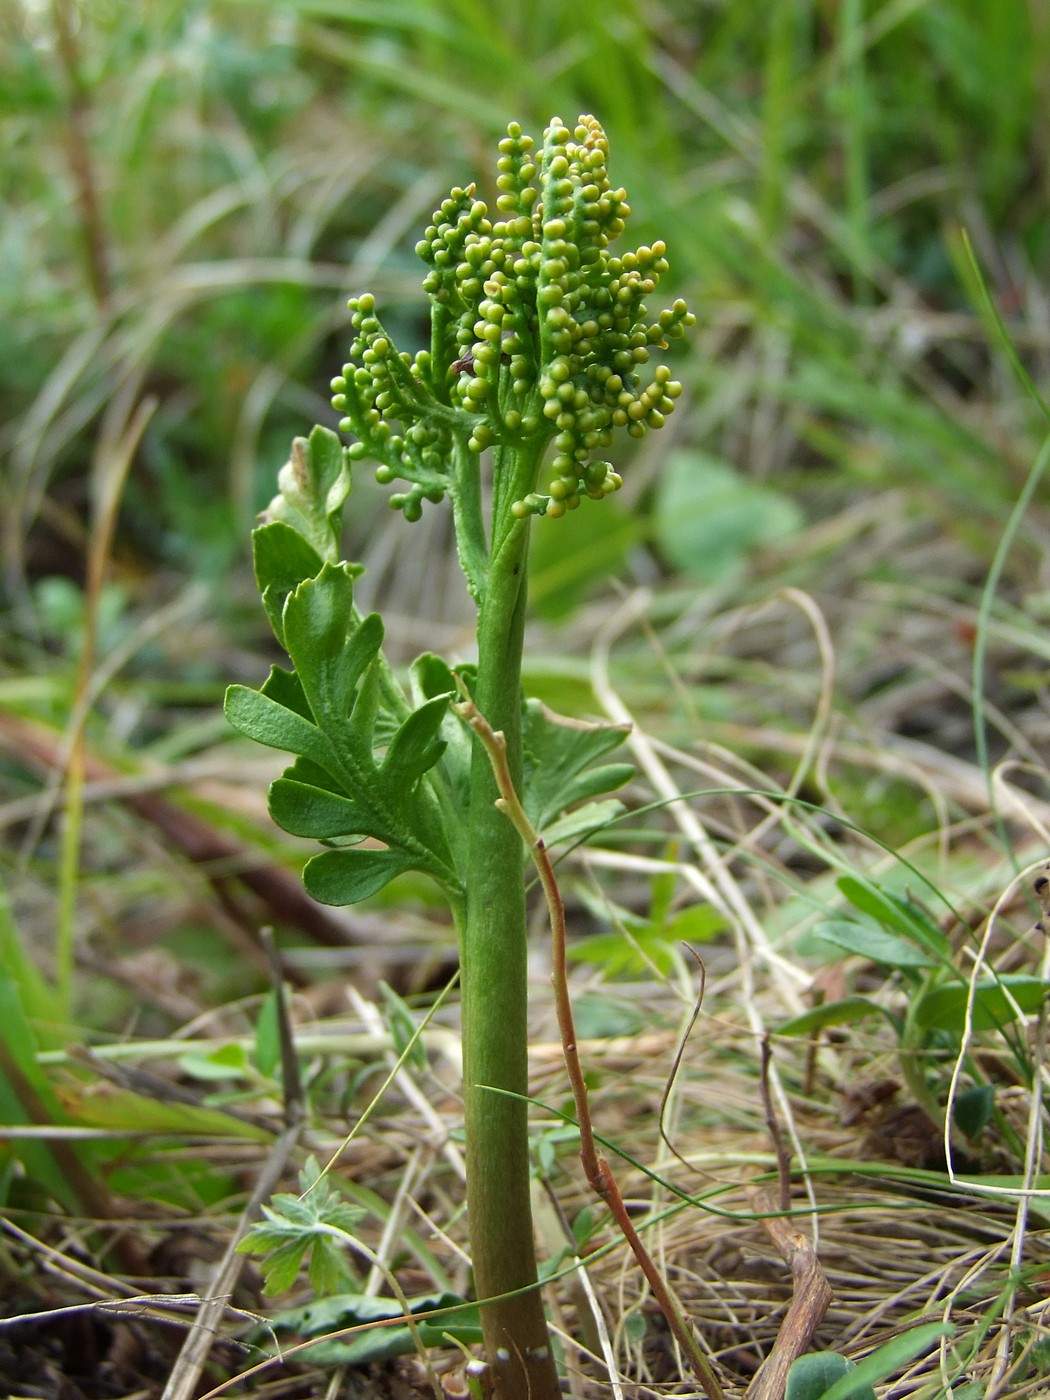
point(539, 338)
point(899, 935)
point(315, 1224)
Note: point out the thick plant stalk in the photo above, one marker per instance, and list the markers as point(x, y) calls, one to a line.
point(495, 1032)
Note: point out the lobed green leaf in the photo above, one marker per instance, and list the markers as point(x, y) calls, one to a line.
point(347, 877)
point(415, 748)
point(258, 717)
point(287, 689)
point(329, 652)
point(280, 1268)
point(282, 558)
point(304, 810)
point(313, 486)
point(558, 754)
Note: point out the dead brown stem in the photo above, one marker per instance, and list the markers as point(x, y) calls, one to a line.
point(810, 1299)
point(811, 1293)
point(281, 893)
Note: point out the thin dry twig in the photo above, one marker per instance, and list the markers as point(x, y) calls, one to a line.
point(811, 1293)
point(679, 1057)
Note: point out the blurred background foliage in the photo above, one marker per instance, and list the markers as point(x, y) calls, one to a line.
point(191, 190)
point(791, 586)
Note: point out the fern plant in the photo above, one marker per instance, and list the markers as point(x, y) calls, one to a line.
point(539, 338)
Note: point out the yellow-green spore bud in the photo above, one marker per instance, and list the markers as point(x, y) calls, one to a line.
point(539, 330)
point(533, 504)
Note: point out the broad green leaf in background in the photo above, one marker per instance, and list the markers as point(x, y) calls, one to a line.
point(811, 1376)
point(403, 1028)
point(836, 1013)
point(267, 1049)
point(323, 1316)
point(229, 1061)
point(903, 916)
point(110, 1106)
point(621, 956)
point(600, 1016)
point(572, 557)
point(972, 1110)
point(944, 1008)
point(867, 940)
point(38, 1001)
point(636, 950)
point(708, 516)
point(584, 821)
point(699, 923)
point(893, 1357)
point(21, 1078)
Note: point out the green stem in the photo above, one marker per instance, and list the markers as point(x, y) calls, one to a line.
point(597, 1169)
point(495, 1029)
point(467, 514)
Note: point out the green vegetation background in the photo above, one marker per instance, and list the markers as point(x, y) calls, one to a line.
point(191, 190)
